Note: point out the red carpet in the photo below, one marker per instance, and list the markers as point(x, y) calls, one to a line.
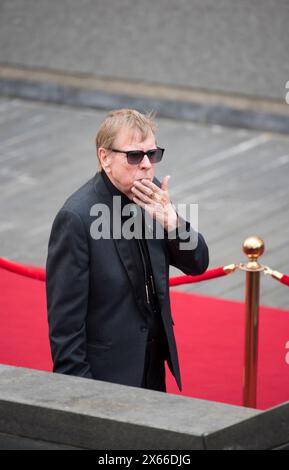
point(210, 337)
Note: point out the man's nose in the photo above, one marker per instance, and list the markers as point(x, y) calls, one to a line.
point(145, 163)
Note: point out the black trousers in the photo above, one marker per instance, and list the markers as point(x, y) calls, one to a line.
point(154, 377)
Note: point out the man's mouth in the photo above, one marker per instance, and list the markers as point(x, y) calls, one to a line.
point(144, 178)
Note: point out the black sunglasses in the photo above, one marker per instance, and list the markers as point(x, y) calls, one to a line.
point(134, 157)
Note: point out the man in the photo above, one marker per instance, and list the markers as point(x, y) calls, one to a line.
point(108, 295)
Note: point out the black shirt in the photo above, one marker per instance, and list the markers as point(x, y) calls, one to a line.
point(140, 254)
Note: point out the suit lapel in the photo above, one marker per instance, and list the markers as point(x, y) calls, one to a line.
point(122, 245)
point(124, 249)
point(158, 263)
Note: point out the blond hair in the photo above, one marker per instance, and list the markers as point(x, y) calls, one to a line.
point(129, 118)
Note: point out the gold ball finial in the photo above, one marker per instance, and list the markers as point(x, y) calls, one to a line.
point(253, 247)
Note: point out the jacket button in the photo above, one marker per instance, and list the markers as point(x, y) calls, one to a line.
point(144, 329)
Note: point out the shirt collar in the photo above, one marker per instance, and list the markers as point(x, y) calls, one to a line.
point(114, 191)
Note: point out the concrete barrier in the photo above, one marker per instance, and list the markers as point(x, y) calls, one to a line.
point(40, 410)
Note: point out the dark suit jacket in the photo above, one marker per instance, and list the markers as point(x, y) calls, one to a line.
point(97, 324)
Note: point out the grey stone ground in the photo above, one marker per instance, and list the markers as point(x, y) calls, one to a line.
point(238, 177)
point(225, 45)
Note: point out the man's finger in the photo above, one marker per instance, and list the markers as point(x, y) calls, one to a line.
point(144, 196)
point(144, 188)
point(165, 183)
point(148, 184)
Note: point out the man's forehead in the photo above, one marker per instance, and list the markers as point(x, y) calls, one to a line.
point(127, 136)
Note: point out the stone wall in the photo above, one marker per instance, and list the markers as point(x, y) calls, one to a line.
point(39, 410)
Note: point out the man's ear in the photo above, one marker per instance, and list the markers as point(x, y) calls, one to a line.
point(104, 159)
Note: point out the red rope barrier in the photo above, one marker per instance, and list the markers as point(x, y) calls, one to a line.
point(213, 273)
point(39, 273)
point(285, 280)
point(24, 270)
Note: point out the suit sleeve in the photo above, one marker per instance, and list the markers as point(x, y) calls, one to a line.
point(187, 249)
point(67, 285)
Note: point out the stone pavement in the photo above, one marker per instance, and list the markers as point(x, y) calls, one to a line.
point(238, 177)
point(229, 46)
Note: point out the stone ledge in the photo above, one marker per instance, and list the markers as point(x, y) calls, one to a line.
point(90, 414)
point(167, 101)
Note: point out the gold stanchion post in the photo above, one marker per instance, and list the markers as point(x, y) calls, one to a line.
point(253, 247)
